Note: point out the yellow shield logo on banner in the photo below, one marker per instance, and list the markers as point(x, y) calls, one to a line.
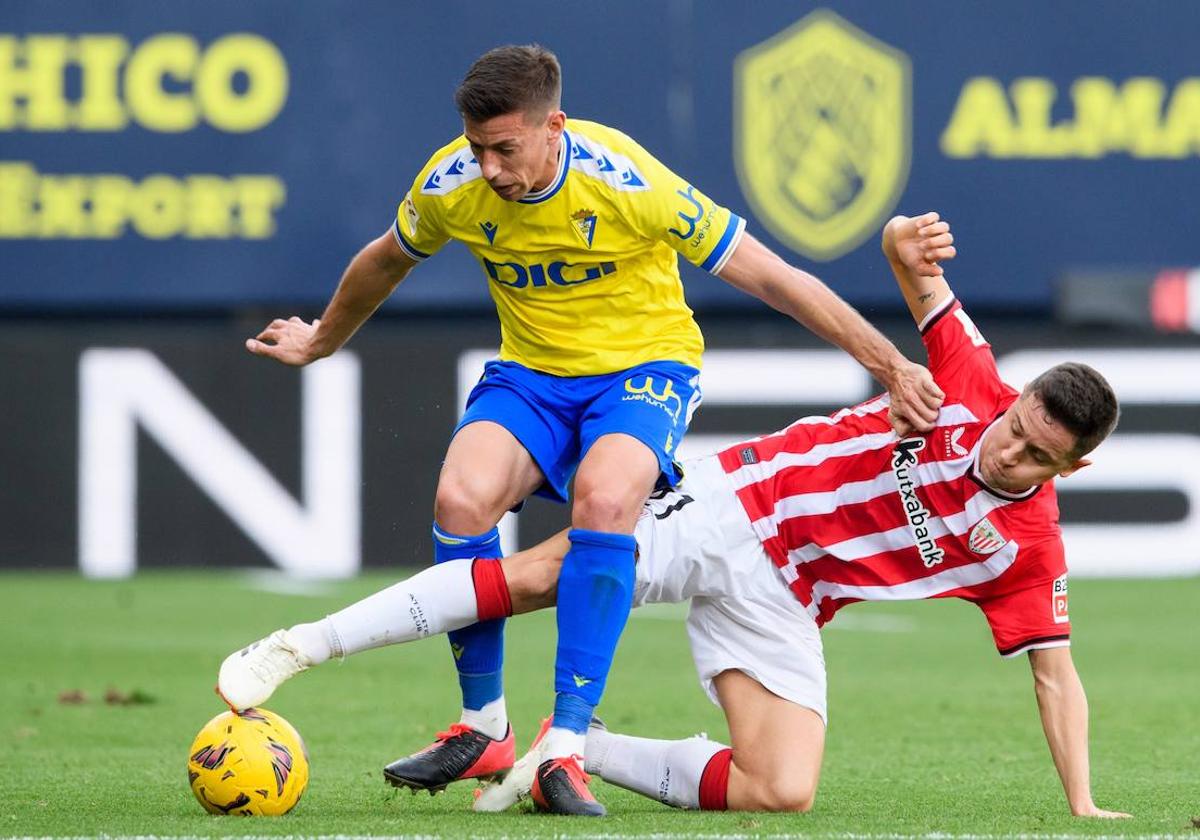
point(823, 133)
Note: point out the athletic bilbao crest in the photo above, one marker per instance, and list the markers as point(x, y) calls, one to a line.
point(984, 538)
point(822, 135)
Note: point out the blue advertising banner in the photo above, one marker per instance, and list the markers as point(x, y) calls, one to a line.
point(158, 442)
point(225, 154)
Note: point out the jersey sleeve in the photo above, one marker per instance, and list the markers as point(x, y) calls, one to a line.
point(673, 211)
point(418, 227)
point(960, 358)
point(1033, 615)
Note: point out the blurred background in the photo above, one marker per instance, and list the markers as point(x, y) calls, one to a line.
point(175, 175)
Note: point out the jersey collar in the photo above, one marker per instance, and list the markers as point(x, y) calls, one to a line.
point(564, 162)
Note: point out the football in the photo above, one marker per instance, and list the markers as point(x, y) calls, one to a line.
point(251, 762)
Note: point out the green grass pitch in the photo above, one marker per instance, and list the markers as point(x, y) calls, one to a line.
point(931, 732)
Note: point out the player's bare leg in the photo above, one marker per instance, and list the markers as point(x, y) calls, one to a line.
point(612, 484)
point(773, 765)
point(595, 594)
point(487, 471)
point(777, 747)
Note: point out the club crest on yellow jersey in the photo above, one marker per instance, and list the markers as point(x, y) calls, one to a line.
point(584, 273)
point(823, 133)
point(583, 222)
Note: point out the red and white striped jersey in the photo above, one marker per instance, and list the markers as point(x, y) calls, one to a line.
point(849, 512)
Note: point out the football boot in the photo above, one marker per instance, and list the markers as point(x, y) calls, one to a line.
point(561, 787)
point(250, 676)
point(458, 753)
point(517, 786)
point(513, 788)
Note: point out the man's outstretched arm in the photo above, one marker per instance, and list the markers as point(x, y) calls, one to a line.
point(915, 248)
point(758, 271)
point(532, 574)
point(371, 276)
point(1064, 710)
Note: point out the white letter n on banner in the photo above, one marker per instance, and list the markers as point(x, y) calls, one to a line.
point(122, 389)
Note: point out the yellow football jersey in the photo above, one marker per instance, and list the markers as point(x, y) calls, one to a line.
point(584, 273)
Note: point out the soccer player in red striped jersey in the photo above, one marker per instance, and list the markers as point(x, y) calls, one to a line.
point(847, 510)
point(849, 513)
point(771, 537)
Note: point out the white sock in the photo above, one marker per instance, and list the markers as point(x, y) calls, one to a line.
point(436, 600)
point(560, 743)
point(668, 771)
point(491, 720)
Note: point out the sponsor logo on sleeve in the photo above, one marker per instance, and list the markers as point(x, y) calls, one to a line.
point(692, 217)
point(1059, 600)
point(411, 216)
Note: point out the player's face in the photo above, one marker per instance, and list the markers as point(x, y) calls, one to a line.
point(1027, 447)
point(517, 153)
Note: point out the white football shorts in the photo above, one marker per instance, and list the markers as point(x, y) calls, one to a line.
point(695, 542)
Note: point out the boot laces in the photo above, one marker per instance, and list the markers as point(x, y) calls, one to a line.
point(454, 731)
point(572, 765)
point(272, 660)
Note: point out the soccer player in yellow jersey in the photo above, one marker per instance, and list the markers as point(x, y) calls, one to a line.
point(577, 229)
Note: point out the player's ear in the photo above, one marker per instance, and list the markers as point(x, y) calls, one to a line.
point(1076, 467)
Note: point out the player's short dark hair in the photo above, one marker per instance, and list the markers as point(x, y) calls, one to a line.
point(511, 79)
point(1079, 398)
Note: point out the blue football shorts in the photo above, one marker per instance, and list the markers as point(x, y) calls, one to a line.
point(558, 418)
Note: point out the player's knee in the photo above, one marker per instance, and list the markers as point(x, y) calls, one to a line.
point(605, 509)
point(779, 789)
point(461, 508)
point(792, 795)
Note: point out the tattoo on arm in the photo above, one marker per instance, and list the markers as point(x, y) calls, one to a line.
point(925, 297)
